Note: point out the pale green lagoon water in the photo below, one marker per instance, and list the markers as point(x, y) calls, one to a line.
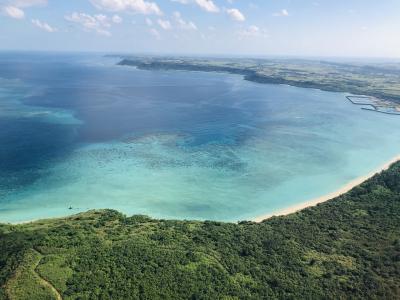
point(79, 132)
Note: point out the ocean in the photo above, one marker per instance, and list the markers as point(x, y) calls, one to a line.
point(78, 132)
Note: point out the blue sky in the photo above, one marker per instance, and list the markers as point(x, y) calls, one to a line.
point(355, 28)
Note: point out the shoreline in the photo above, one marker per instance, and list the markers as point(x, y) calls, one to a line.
point(249, 75)
point(281, 212)
point(330, 196)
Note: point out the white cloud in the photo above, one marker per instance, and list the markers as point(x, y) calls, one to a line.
point(282, 13)
point(13, 8)
point(13, 12)
point(207, 5)
point(187, 25)
point(117, 19)
point(164, 24)
point(43, 25)
point(235, 14)
point(136, 6)
point(252, 32)
point(96, 23)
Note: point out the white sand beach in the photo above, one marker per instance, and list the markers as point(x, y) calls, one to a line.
point(344, 189)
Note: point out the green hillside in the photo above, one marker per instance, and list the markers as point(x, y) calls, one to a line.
point(348, 247)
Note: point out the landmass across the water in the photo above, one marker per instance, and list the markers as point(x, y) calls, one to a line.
point(379, 81)
point(344, 248)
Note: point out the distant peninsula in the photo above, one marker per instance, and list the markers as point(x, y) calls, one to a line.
point(380, 82)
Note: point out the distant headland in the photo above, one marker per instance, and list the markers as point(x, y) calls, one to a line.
point(379, 83)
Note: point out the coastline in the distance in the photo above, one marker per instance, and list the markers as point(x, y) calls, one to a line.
point(377, 82)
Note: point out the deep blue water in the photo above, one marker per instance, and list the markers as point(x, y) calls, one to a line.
point(77, 130)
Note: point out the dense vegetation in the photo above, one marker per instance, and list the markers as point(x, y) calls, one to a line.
point(348, 247)
point(372, 79)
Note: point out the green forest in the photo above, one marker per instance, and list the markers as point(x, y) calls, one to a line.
point(345, 248)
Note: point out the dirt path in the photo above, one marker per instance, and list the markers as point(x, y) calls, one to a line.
point(44, 281)
point(26, 283)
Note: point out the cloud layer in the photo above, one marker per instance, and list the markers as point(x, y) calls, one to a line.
point(135, 6)
point(207, 5)
point(97, 23)
point(13, 12)
point(14, 8)
point(43, 25)
point(235, 14)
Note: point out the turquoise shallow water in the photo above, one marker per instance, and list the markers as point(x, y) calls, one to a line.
point(78, 131)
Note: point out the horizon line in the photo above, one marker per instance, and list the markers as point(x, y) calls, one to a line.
point(205, 55)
